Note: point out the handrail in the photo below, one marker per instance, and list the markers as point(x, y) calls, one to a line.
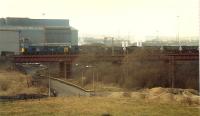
point(68, 83)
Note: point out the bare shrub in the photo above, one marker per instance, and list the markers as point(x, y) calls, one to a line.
point(127, 94)
point(138, 70)
point(187, 100)
point(92, 67)
point(142, 96)
point(144, 72)
point(195, 100)
point(4, 85)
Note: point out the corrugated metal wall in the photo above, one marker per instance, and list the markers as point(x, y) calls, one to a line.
point(74, 37)
point(37, 22)
point(9, 41)
point(36, 36)
point(62, 35)
point(37, 31)
point(58, 35)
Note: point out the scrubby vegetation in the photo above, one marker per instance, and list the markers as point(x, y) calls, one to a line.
point(137, 70)
point(12, 83)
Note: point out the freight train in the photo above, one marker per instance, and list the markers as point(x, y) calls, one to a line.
point(49, 48)
point(64, 48)
point(103, 50)
point(166, 49)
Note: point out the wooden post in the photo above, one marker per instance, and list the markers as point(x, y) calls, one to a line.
point(93, 79)
point(65, 70)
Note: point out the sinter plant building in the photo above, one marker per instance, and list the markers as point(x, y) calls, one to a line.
point(20, 34)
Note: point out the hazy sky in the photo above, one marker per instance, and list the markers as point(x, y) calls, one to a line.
point(113, 17)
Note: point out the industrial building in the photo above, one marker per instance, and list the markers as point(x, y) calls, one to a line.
point(107, 41)
point(15, 33)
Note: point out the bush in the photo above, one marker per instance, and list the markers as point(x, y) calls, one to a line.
point(138, 70)
point(4, 85)
point(127, 94)
point(186, 100)
point(144, 72)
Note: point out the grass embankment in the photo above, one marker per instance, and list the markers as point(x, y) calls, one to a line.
point(96, 106)
point(97, 86)
point(12, 83)
point(150, 102)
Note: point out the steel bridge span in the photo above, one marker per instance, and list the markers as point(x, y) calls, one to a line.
point(65, 61)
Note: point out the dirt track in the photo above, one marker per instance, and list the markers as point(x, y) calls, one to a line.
point(67, 90)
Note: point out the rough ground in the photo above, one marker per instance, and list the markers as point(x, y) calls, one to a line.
point(147, 102)
point(162, 95)
point(12, 83)
point(95, 106)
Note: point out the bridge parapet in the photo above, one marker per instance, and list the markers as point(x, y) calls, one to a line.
point(71, 58)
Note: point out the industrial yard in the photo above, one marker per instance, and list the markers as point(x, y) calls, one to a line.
point(99, 58)
point(108, 94)
point(47, 68)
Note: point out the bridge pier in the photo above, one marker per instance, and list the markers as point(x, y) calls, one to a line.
point(65, 69)
point(172, 71)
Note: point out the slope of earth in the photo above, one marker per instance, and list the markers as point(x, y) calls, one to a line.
point(12, 83)
point(95, 106)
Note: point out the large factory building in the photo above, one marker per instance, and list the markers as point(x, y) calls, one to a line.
point(19, 33)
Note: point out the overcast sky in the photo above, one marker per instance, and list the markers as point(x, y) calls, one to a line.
point(113, 17)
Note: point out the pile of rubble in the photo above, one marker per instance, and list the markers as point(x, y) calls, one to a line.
point(163, 95)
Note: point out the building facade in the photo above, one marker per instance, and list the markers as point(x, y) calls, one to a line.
point(36, 32)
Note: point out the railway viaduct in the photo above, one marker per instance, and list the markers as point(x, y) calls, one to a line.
point(65, 61)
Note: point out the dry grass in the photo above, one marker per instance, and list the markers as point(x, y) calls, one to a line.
point(12, 83)
point(162, 95)
point(95, 106)
point(101, 87)
point(98, 86)
point(148, 102)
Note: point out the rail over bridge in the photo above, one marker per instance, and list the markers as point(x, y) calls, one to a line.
point(65, 61)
